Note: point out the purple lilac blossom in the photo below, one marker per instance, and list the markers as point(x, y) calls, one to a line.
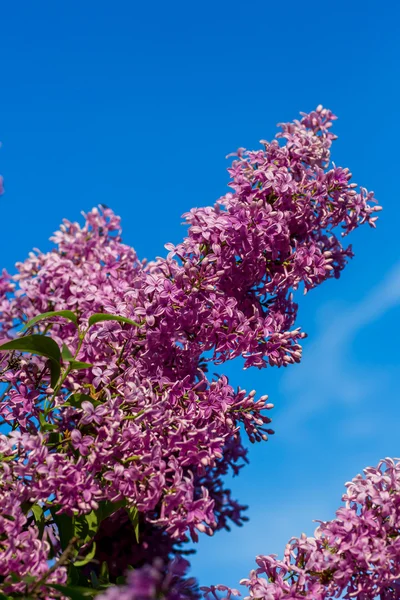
point(153, 582)
point(154, 431)
point(356, 555)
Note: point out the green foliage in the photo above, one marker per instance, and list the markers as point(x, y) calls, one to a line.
point(65, 526)
point(74, 364)
point(84, 528)
point(74, 592)
point(134, 518)
point(76, 400)
point(45, 426)
point(66, 314)
point(38, 515)
point(78, 365)
point(66, 353)
point(88, 557)
point(98, 317)
point(78, 530)
point(40, 345)
point(107, 508)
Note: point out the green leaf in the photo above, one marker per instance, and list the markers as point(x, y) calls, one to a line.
point(134, 519)
point(49, 427)
point(73, 592)
point(65, 526)
point(77, 365)
point(75, 576)
point(40, 345)
point(67, 314)
point(89, 557)
point(83, 527)
point(67, 356)
point(66, 353)
point(8, 458)
point(98, 317)
point(26, 507)
point(39, 518)
point(130, 459)
point(94, 580)
point(107, 508)
point(76, 400)
point(55, 437)
point(86, 526)
point(45, 426)
point(104, 574)
point(8, 517)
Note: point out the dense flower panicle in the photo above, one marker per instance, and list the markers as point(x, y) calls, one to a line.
point(22, 549)
point(152, 429)
point(154, 582)
point(356, 555)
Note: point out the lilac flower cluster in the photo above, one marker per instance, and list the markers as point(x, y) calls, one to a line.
point(22, 549)
point(356, 555)
point(154, 582)
point(133, 422)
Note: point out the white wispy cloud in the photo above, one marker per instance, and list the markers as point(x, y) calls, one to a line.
point(313, 473)
point(326, 373)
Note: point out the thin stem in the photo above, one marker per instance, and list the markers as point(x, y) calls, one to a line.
point(61, 561)
point(67, 370)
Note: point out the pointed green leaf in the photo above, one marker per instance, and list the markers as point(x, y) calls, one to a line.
point(44, 425)
point(94, 580)
point(49, 427)
point(66, 353)
point(26, 507)
point(8, 517)
point(104, 574)
point(40, 345)
point(66, 314)
point(86, 526)
point(76, 400)
point(108, 508)
point(39, 518)
point(55, 437)
point(98, 317)
point(73, 592)
point(65, 526)
point(67, 356)
point(8, 458)
point(134, 518)
point(83, 527)
point(77, 365)
point(75, 576)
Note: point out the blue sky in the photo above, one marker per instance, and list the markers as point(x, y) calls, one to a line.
point(135, 105)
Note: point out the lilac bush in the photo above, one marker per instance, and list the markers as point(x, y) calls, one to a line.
point(115, 441)
point(356, 555)
point(153, 581)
